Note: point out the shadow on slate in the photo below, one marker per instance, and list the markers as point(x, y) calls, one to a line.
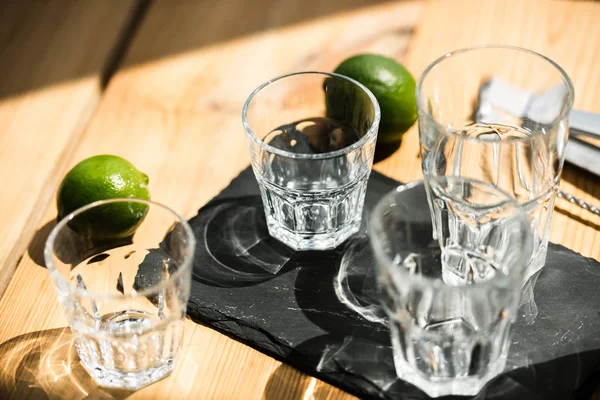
point(283, 303)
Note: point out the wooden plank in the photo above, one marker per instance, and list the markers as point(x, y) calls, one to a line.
point(53, 56)
point(178, 120)
point(568, 33)
point(177, 26)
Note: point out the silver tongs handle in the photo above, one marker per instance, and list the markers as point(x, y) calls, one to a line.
point(583, 154)
point(578, 202)
point(583, 123)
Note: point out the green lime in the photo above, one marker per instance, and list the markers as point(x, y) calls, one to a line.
point(393, 87)
point(99, 178)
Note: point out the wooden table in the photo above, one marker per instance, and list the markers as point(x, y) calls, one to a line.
point(177, 74)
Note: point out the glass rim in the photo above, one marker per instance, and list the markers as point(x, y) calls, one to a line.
point(154, 289)
point(321, 156)
point(437, 283)
point(566, 79)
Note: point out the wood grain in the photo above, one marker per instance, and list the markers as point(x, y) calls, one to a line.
point(178, 26)
point(179, 120)
point(53, 55)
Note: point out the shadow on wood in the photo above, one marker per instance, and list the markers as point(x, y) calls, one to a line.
point(559, 209)
point(42, 40)
point(170, 29)
point(36, 246)
point(286, 383)
point(45, 365)
point(385, 150)
point(47, 43)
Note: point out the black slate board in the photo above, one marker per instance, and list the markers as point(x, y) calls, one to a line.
point(256, 290)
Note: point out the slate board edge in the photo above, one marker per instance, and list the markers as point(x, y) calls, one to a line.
point(225, 329)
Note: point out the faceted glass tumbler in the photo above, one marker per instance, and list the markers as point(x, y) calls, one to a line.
point(499, 114)
point(312, 139)
point(124, 285)
point(450, 336)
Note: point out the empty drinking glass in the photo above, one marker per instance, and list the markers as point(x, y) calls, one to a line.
point(498, 114)
point(450, 337)
point(122, 271)
point(312, 138)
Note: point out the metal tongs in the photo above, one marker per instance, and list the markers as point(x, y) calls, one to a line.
point(583, 146)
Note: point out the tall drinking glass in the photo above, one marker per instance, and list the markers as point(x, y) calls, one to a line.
point(122, 271)
point(498, 114)
point(312, 138)
point(450, 338)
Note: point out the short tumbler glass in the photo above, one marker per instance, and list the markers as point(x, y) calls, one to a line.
point(450, 338)
point(122, 271)
point(499, 114)
point(312, 139)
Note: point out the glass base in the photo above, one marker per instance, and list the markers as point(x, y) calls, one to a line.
point(436, 387)
point(536, 263)
point(312, 241)
point(118, 379)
